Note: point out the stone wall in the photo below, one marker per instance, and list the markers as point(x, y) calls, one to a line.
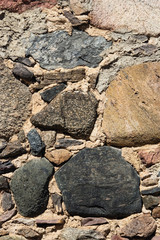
point(80, 120)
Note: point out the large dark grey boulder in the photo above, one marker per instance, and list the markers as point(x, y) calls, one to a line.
point(30, 186)
point(59, 49)
point(99, 182)
point(73, 113)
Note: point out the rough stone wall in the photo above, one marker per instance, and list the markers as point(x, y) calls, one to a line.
point(79, 122)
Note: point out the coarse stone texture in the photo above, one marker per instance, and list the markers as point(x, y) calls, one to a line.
point(64, 143)
point(136, 121)
point(3, 144)
point(155, 191)
point(59, 49)
point(23, 5)
point(7, 202)
point(49, 94)
point(150, 156)
point(57, 202)
point(36, 144)
point(13, 149)
point(97, 183)
point(7, 216)
point(93, 221)
point(49, 138)
point(139, 16)
point(141, 226)
point(29, 186)
point(117, 237)
point(15, 98)
point(13, 237)
point(4, 185)
point(150, 182)
point(81, 6)
point(70, 112)
point(76, 234)
point(156, 212)
point(28, 233)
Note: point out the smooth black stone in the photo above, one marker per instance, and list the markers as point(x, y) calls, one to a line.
point(64, 143)
point(36, 144)
point(6, 167)
point(29, 185)
point(51, 93)
point(153, 191)
point(4, 185)
point(100, 183)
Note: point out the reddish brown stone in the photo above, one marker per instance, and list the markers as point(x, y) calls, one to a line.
point(93, 221)
point(141, 226)
point(156, 238)
point(156, 212)
point(7, 216)
point(150, 157)
point(23, 5)
point(117, 237)
point(57, 221)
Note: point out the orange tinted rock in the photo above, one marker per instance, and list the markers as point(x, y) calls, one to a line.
point(150, 156)
point(58, 156)
point(23, 5)
point(131, 116)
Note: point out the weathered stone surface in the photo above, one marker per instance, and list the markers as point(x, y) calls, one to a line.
point(29, 186)
point(70, 112)
point(150, 201)
point(64, 143)
point(13, 237)
point(81, 6)
point(141, 226)
point(79, 49)
point(136, 121)
point(6, 167)
point(36, 144)
point(57, 202)
point(156, 212)
point(3, 144)
point(97, 181)
point(13, 149)
point(23, 5)
point(7, 203)
point(49, 138)
point(150, 182)
point(58, 156)
point(15, 98)
point(155, 191)
point(28, 233)
point(139, 16)
point(49, 94)
point(76, 234)
point(42, 222)
point(25, 61)
point(3, 183)
point(150, 157)
point(23, 73)
point(117, 237)
point(93, 221)
point(7, 215)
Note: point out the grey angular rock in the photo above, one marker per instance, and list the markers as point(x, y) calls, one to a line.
point(59, 49)
point(4, 183)
point(155, 191)
point(80, 234)
point(57, 202)
point(7, 216)
point(49, 94)
point(70, 112)
point(150, 201)
point(29, 185)
point(36, 144)
point(7, 203)
point(100, 183)
point(25, 61)
point(14, 104)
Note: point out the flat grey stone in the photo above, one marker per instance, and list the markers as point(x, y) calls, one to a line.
point(100, 183)
point(59, 49)
point(29, 185)
point(73, 113)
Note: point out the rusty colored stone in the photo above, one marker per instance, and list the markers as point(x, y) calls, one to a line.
point(90, 221)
